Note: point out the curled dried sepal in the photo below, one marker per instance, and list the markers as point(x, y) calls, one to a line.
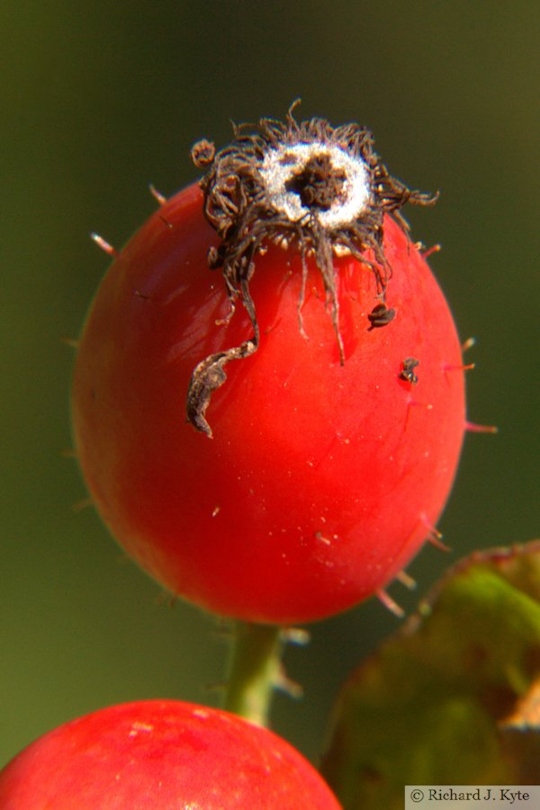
point(203, 153)
point(319, 188)
point(208, 375)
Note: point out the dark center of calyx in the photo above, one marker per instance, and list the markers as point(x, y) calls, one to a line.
point(319, 185)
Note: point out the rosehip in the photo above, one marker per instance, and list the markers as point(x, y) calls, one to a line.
point(333, 393)
point(160, 755)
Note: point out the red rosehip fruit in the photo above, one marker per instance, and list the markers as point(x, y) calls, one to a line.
point(320, 357)
point(160, 755)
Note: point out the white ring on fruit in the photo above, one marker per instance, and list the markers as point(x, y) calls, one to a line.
point(281, 165)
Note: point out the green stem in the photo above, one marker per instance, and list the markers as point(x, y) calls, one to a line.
point(254, 671)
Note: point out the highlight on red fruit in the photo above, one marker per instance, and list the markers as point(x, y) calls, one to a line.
point(160, 755)
point(268, 400)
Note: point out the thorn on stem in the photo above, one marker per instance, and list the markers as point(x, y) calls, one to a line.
point(390, 604)
point(472, 427)
point(295, 635)
point(157, 194)
point(434, 535)
point(104, 245)
point(287, 686)
point(427, 252)
point(406, 579)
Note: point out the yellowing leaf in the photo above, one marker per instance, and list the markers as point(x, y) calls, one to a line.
point(454, 696)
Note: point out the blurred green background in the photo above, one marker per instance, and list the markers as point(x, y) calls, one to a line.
point(99, 99)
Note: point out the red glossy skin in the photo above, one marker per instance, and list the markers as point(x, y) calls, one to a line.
point(322, 479)
point(161, 755)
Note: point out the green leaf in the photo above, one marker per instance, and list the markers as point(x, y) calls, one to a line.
point(454, 696)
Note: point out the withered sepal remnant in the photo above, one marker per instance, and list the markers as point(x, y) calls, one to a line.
point(307, 185)
point(408, 370)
